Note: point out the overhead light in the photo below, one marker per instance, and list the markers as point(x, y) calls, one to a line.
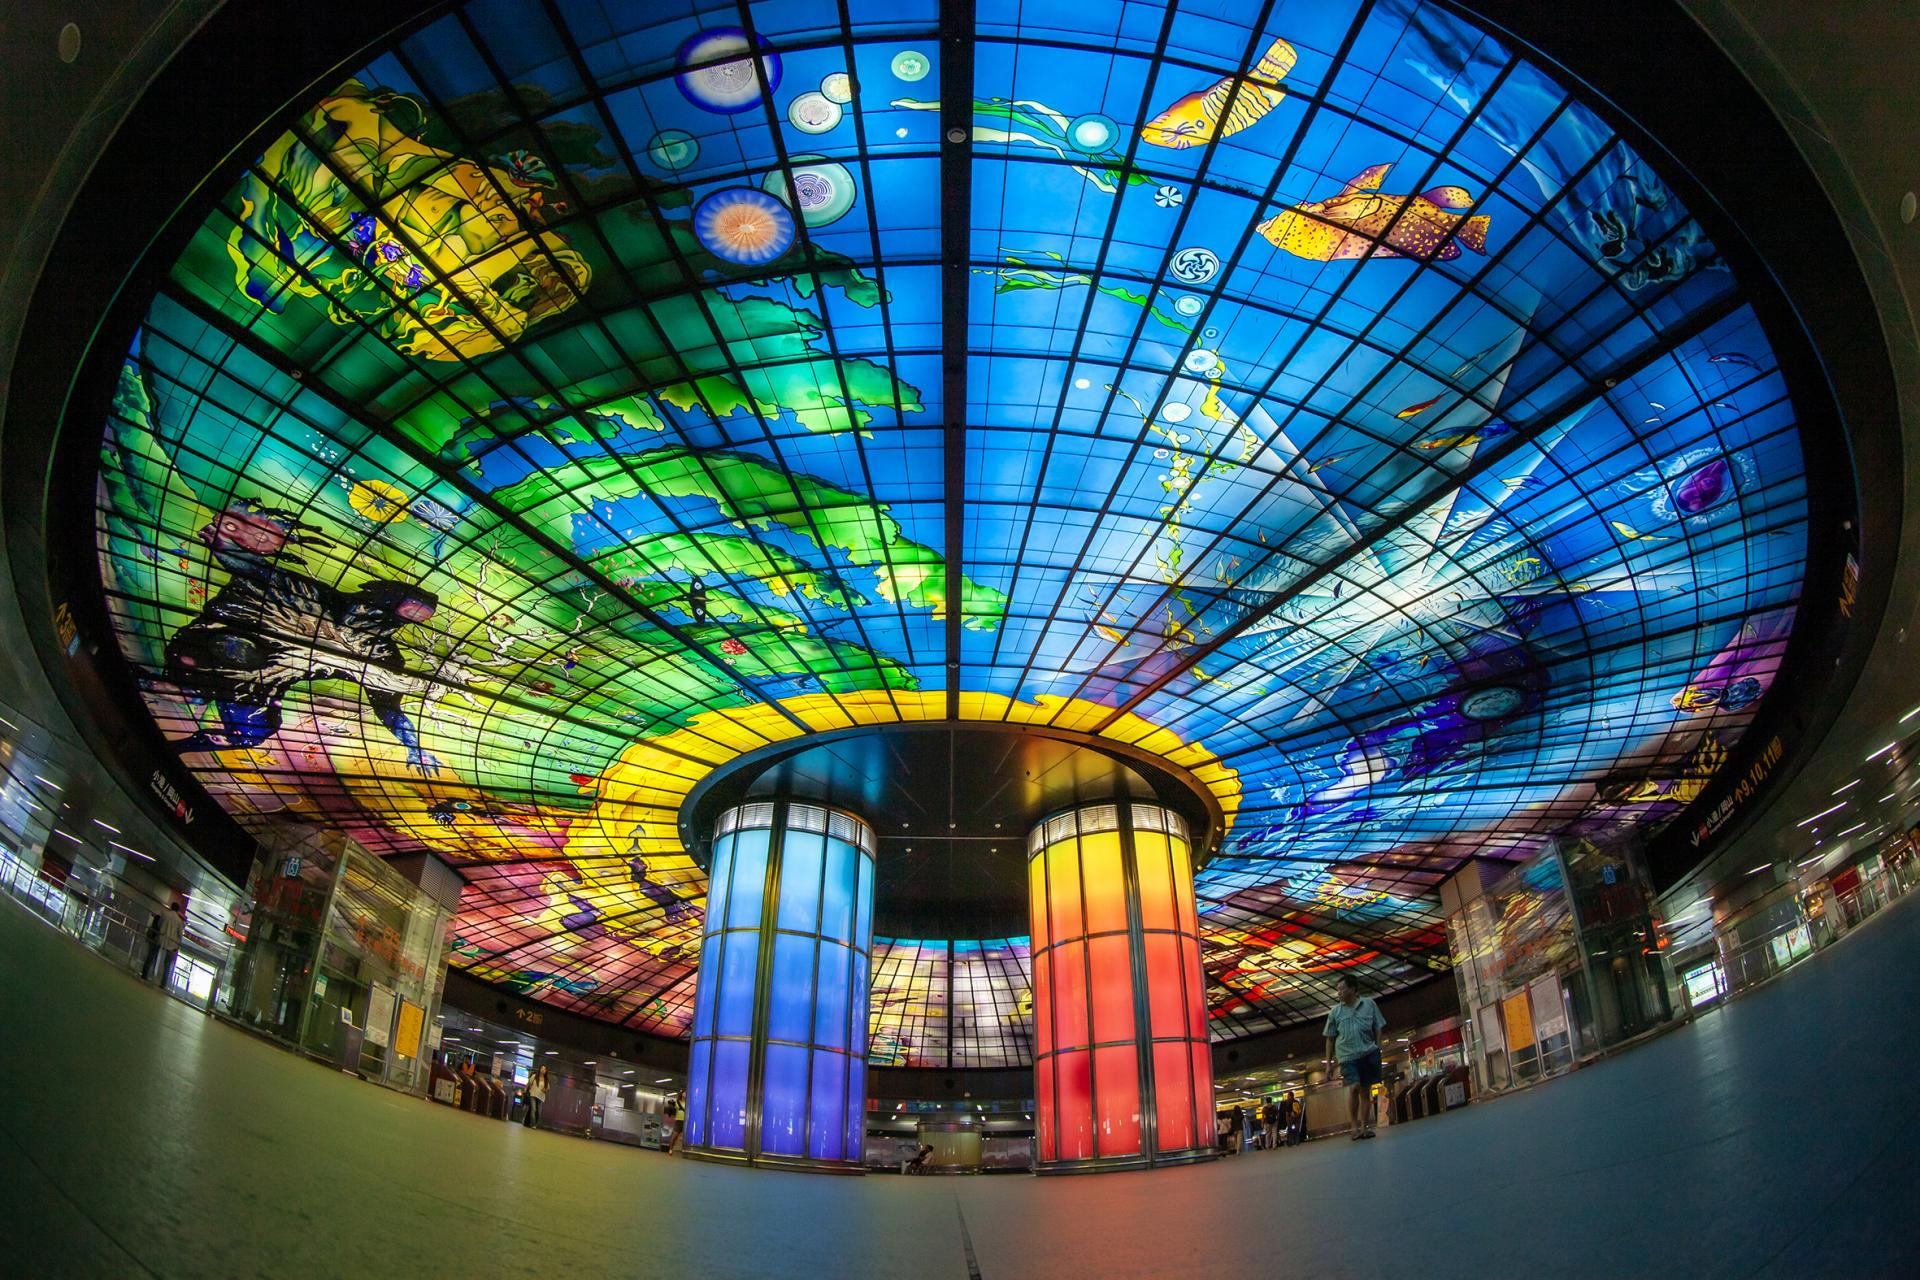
point(50, 782)
point(1882, 751)
point(1910, 715)
point(553, 1053)
point(1883, 799)
point(1849, 831)
point(69, 835)
point(662, 1080)
point(1815, 858)
point(1823, 813)
point(590, 1062)
point(1757, 870)
point(1846, 786)
point(108, 825)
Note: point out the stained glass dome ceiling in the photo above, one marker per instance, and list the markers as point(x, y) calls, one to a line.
point(1317, 394)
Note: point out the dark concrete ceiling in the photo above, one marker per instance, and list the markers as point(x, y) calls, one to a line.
point(1840, 78)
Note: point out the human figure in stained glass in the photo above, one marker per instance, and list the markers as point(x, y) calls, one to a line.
point(271, 627)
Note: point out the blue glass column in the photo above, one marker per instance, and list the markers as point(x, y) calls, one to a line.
point(778, 1072)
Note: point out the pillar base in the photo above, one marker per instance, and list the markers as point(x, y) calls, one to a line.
point(799, 1164)
point(1123, 1164)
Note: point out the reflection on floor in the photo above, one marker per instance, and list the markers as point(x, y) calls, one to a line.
point(1773, 1137)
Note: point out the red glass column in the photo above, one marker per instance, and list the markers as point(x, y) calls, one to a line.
point(1123, 1076)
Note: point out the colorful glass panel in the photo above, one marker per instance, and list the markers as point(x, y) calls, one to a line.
point(555, 411)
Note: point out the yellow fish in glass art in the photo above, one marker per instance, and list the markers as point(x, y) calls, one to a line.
point(1361, 221)
point(1196, 118)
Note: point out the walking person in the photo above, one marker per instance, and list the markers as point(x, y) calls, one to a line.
point(163, 943)
point(672, 1113)
point(1353, 1041)
point(153, 948)
point(536, 1094)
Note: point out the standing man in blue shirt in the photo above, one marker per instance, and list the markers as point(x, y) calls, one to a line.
point(1353, 1040)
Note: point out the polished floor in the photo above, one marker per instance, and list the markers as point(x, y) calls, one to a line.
point(1774, 1137)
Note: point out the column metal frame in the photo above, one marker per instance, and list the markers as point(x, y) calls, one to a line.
point(767, 931)
point(1149, 1155)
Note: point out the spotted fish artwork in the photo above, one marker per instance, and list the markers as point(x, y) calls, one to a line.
point(1203, 115)
point(1360, 221)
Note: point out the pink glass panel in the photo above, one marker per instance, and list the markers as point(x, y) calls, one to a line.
point(1166, 995)
point(1197, 1001)
point(1069, 995)
point(1074, 1091)
point(1046, 1106)
point(1173, 1099)
point(1203, 1086)
point(1111, 982)
point(1042, 1010)
point(1117, 1100)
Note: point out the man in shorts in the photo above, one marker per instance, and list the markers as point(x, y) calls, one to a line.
point(1353, 1040)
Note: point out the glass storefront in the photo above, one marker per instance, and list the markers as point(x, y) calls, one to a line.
point(1556, 960)
point(345, 959)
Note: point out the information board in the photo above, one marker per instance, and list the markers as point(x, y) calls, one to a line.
point(1488, 1022)
point(406, 1032)
point(379, 1014)
point(1519, 1020)
point(1549, 1011)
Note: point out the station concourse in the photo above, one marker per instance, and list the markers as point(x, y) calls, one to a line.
point(977, 637)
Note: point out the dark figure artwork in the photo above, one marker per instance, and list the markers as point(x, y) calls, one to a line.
point(270, 628)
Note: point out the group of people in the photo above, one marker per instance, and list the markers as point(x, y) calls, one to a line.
point(1260, 1128)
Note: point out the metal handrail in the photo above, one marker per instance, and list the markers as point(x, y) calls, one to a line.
point(94, 919)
